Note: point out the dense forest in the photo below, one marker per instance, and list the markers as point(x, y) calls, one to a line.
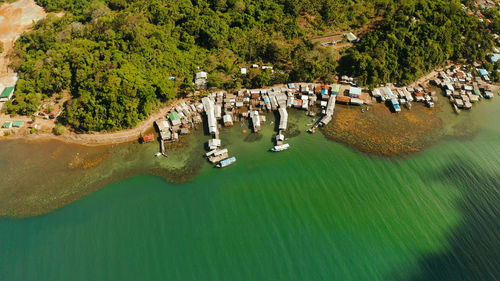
point(414, 39)
point(113, 58)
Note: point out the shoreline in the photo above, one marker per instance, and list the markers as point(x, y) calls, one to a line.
point(82, 170)
point(133, 134)
point(100, 138)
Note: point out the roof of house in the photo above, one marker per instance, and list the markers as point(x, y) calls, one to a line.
point(351, 37)
point(7, 92)
point(482, 72)
point(336, 88)
point(173, 115)
point(148, 137)
point(355, 91)
point(494, 57)
point(201, 75)
point(6, 124)
point(17, 124)
point(343, 99)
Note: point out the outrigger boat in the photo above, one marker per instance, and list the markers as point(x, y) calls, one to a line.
point(279, 148)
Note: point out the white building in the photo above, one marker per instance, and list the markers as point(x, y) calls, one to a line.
point(200, 80)
point(355, 92)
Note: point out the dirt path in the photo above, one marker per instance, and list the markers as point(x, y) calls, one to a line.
point(429, 76)
point(15, 18)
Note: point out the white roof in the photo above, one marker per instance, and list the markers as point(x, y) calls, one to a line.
point(355, 91)
point(283, 118)
point(220, 152)
point(255, 118)
point(201, 75)
point(357, 101)
point(214, 141)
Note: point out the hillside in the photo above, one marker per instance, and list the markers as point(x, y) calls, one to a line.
point(114, 58)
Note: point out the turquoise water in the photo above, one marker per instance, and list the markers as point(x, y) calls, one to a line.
point(319, 211)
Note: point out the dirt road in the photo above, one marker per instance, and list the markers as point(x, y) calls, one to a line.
point(15, 18)
point(96, 139)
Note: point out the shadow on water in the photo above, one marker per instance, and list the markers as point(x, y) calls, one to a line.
point(474, 247)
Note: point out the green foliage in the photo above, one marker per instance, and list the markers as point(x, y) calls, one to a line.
point(114, 57)
point(414, 39)
point(59, 129)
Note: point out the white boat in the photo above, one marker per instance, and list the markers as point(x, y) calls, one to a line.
point(279, 148)
point(158, 154)
point(226, 162)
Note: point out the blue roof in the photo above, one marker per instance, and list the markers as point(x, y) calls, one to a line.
point(494, 57)
point(324, 91)
point(482, 72)
point(388, 92)
point(291, 86)
point(396, 107)
point(266, 99)
point(395, 102)
point(229, 160)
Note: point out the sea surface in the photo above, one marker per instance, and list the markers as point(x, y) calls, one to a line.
point(319, 211)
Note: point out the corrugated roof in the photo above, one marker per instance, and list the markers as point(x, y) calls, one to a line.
point(482, 72)
point(355, 91)
point(6, 92)
point(336, 88)
point(17, 124)
point(173, 115)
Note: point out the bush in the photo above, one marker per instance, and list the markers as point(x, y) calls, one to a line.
point(59, 130)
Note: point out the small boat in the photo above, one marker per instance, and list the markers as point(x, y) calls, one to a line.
point(226, 162)
point(279, 148)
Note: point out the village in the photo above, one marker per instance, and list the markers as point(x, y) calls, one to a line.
point(462, 85)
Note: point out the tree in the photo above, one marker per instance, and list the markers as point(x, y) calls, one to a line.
point(59, 130)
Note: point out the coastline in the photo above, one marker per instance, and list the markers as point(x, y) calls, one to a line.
point(57, 173)
point(72, 171)
point(99, 138)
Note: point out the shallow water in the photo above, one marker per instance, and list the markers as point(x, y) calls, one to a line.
point(319, 211)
